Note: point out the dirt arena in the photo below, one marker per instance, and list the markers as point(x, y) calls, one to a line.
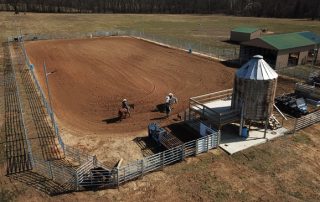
point(91, 77)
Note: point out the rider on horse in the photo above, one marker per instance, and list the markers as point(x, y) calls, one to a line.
point(170, 100)
point(125, 105)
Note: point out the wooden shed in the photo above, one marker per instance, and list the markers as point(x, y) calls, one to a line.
point(241, 34)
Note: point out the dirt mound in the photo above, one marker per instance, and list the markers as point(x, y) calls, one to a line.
point(92, 76)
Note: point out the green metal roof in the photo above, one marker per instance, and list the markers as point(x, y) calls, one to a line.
point(287, 41)
point(245, 29)
point(311, 35)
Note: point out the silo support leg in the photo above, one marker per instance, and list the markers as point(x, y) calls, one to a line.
point(265, 128)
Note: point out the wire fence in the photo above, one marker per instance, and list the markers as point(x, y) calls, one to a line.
point(301, 72)
point(224, 54)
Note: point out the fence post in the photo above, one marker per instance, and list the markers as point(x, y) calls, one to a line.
point(196, 147)
point(50, 169)
point(295, 125)
point(142, 167)
point(182, 152)
point(79, 159)
point(162, 160)
point(207, 143)
point(76, 180)
point(117, 170)
point(94, 161)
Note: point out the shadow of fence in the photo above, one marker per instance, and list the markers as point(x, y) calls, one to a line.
point(148, 146)
point(42, 183)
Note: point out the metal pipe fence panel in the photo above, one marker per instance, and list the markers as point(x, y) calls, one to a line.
point(307, 120)
point(44, 100)
point(20, 108)
point(231, 53)
point(86, 174)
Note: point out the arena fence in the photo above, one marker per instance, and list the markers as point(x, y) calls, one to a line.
point(18, 147)
point(43, 97)
point(91, 173)
point(225, 54)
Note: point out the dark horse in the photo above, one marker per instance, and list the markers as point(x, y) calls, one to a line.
point(123, 113)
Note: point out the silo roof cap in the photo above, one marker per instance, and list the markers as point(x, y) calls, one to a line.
point(256, 69)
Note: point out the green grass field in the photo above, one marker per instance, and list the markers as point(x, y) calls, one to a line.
point(206, 29)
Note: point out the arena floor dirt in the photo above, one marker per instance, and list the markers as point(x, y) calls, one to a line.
point(91, 77)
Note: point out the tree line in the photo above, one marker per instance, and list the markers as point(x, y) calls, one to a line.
point(257, 8)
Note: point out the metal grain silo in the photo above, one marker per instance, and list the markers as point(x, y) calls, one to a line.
point(254, 89)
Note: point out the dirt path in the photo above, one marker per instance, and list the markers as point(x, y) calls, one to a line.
point(92, 76)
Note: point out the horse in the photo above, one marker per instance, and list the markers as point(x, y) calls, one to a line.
point(123, 113)
point(169, 106)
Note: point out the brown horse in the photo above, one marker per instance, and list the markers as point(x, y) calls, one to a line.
point(123, 113)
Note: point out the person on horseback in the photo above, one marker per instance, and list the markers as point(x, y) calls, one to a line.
point(125, 105)
point(170, 100)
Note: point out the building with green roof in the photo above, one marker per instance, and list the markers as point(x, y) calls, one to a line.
point(241, 34)
point(282, 50)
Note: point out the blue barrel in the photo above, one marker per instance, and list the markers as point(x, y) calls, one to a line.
point(245, 132)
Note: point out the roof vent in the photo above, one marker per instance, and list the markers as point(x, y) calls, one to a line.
point(258, 57)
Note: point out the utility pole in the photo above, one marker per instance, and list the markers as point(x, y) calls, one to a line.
point(49, 95)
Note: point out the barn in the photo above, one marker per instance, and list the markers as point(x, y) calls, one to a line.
point(241, 34)
point(283, 50)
